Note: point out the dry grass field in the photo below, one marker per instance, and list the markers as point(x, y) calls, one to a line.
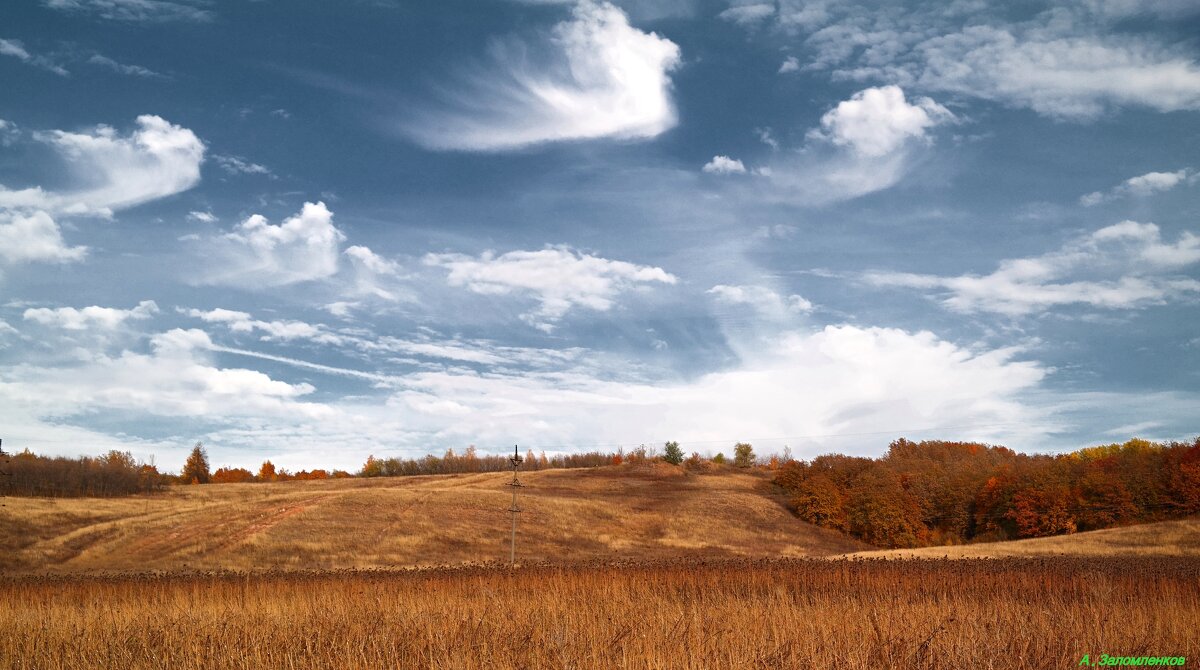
point(1167, 538)
point(570, 515)
point(796, 613)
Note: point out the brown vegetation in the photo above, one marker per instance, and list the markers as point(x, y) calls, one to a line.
point(646, 510)
point(1165, 538)
point(940, 493)
point(1013, 613)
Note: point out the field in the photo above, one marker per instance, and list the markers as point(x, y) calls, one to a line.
point(1180, 537)
point(1009, 613)
point(569, 515)
point(619, 568)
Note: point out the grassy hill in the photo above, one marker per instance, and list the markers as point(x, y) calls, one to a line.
point(1168, 538)
point(611, 512)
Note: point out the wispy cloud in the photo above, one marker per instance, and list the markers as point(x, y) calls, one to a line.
point(594, 76)
point(125, 69)
point(1123, 266)
point(135, 11)
point(1142, 185)
point(16, 49)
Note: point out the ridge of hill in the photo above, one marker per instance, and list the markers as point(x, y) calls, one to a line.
point(625, 512)
point(1180, 537)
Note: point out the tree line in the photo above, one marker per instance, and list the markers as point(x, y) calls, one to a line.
point(936, 493)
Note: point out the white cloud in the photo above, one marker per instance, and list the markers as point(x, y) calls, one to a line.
point(790, 64)
point(122, 68)
point(157, 160)
point(1142, 185)
point(134, 11)
point(598, 77)
point(372, 273)
point(239, 165)
point(88, 318)
point(557, 277)
point(1061, 76)
point(764, 300)
point(202, 217)
point(748, 15)
point(1066, 62)
point(865, 144)
point(34, 237)
point(1123, 266)
point(175, 379)
point(278, 330)
point(878, 121)
point(724, 165)
point(304, 247)
point(842, 379)
point(17, 50)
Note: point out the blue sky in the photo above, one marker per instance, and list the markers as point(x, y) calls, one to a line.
point(313, 231)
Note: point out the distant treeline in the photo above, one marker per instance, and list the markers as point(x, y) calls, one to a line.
point(471, 461)
point(936, 493)
point(113, 474)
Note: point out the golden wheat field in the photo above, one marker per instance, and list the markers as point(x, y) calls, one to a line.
point(793, 613)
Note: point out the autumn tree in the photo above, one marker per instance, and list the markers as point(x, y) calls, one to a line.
point(819, 501)
point(232, 476)
point(195, 470)
point(266, 472)
point(672, 453)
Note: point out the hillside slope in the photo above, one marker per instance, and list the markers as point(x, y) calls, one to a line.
point(612, 512)
point(1167, 538)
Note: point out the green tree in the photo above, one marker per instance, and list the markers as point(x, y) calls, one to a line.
point(743, 455)
point(195, 470)
point(719, 459)
point(672, 453)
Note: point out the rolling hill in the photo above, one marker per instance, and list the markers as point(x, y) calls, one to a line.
point(569, 515)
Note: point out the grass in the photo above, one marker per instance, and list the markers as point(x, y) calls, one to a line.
point(1009, 613)
point(1167, 538)
point(570, 515)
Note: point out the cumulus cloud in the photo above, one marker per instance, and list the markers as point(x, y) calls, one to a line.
point(864, 145)
point(16, 49)
point(724, 165)
point(1122, 266)
point(878, 121)
point(176, 378)
point(34, 237)
point(764, 300)
point(88, 318)
point(116, 171)
point(558, 278)
point(1142, 185)
point(133, 11)
point(789, 64)
point(304, 247)
point(596, 76)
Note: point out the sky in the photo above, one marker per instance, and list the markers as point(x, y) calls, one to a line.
point(312, 231)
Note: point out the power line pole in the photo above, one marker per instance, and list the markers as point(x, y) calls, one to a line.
point(515, 460)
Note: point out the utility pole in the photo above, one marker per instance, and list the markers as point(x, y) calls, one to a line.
point(515, 460)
